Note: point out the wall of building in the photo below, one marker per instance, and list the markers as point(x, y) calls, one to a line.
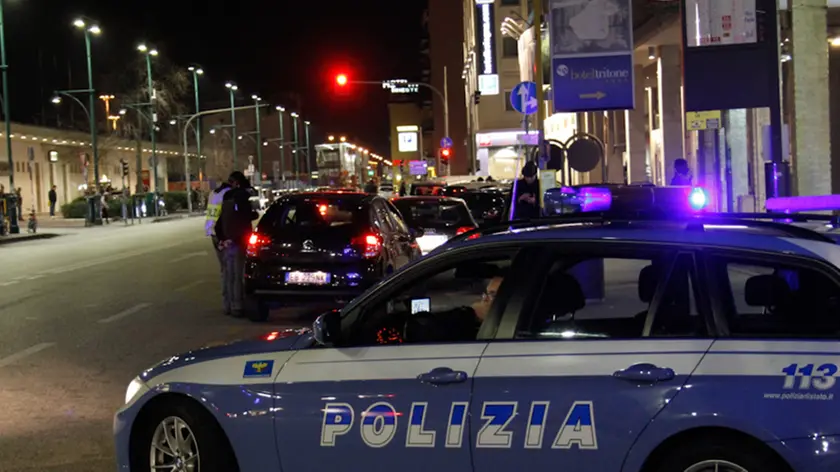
point(405, 114)
point(66, 172)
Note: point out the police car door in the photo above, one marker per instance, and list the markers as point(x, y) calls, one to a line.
point(386, 402)
point(584, 375)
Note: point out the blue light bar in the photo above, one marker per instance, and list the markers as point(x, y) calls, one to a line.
point(806, 203)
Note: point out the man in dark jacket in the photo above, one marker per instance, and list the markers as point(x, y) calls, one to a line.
point(233, 230)
point(52, 196)
point(526, 198)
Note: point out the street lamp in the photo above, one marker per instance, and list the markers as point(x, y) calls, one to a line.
point(308, 157)
point(281, 112)
point(152, 99)
point(257, 101)
point(343, 139)
point(295, 145)
point(89, 30)
point(13, 222)
point(197, 71)
point(233, 88)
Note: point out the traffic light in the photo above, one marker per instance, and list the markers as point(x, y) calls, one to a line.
point(445, 154)
point(477, 97)
point(124, 168)
point(341, 80)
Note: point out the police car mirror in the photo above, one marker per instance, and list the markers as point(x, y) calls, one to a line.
point(327, 328)
point(416, 232)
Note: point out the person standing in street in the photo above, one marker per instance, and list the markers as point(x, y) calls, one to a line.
point(682, 173)
point(526, 203)
point(53, 198)
point(233, 230)
point(214, 209)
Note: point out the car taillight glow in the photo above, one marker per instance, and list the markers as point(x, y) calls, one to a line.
point(464, 229)
point(371, 245)
point(322, 209)
point(255, 242)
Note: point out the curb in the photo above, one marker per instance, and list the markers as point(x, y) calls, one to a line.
point(164, 219)
point(29, 237)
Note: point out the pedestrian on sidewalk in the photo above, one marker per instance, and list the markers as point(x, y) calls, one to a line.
point(53, 198)
point(214, 209)
point(233, 230)
point(682, 173)
point(103, 202)
point(19, 195)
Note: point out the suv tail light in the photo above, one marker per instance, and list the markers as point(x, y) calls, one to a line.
point(256, 242)
point(370, 245)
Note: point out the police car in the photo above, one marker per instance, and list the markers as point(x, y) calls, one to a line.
point(575, 343)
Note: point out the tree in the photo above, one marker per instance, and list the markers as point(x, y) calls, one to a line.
point(172, 92)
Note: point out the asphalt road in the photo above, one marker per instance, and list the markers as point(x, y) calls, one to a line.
point(81, 315)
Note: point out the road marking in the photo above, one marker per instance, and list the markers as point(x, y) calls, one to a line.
point(189, 286)
point(6, 284)
point(5, 361)
point(188, 256)
point(125, 313)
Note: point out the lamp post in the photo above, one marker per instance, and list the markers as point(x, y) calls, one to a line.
point(308, 157)
point(233, 88)
point(281, 112)
point(89, 30)
point(295, 145)
point(152, 98)
point(12, 212)
point(197, 71)
point(257, 101)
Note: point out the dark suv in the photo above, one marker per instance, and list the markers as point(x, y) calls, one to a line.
point(323, 246)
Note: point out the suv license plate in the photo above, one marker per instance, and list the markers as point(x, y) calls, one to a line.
point(308, 278)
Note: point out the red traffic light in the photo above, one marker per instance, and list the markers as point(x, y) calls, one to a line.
point(341, 80)
point(445, 152)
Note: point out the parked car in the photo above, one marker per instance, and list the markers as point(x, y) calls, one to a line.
point(324, 246)
point(435, 219)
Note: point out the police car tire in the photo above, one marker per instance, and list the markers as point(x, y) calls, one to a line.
point(215, 453)
point(749, 456)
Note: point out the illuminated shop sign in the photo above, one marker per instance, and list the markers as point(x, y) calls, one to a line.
point(486, 28)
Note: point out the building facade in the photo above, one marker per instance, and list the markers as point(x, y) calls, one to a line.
point(43, 157)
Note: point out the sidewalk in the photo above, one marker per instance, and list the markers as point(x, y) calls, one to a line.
point(44, 221)
point(23, 237)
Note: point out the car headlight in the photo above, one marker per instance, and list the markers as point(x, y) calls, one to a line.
point(136, 388)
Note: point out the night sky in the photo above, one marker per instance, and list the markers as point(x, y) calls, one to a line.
point(273, 48)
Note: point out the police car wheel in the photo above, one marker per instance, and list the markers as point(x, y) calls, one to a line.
point(725, 454)
point(181, 437)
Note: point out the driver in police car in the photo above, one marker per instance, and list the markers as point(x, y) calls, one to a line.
point(482, 307)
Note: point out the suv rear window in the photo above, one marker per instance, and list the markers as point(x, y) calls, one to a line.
point(311, 213)
point(433, 213)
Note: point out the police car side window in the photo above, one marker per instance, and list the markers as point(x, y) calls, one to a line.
point(773, 299)
point(448, 305)
point(574, 303)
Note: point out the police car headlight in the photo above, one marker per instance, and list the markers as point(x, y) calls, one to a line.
point(136, 388)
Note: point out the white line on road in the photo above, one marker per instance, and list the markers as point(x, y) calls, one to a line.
point(125, 313)
point(189, 286)
point(6, 284)
point(188, 256)
point(5, 361)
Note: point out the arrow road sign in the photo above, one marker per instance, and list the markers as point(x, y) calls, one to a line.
point(446, 142)
point(523, 98)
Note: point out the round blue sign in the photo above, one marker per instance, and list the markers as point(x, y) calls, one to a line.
point(446, 142)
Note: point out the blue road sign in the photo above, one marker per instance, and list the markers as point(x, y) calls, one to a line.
point(593, 83)
point(446, 142)
point(523, 98)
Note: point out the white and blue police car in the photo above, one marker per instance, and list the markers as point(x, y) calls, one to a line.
point(577, 343)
